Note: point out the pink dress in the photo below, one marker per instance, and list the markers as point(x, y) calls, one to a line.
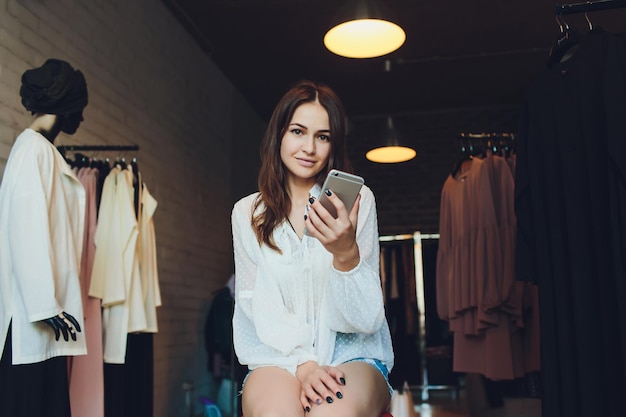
point(87, 372)
point(476, 289)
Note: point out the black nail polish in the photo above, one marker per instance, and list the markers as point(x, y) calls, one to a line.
point(311, 200)
point(308, 409)
point(306, 217)
point(329, 400)
point(343, 381)
point(318, 401)
point(327, 191)
point(339, 395)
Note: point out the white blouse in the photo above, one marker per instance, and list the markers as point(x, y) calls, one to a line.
point(294, 307)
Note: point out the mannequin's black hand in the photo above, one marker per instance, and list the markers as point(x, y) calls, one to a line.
point(65, 323)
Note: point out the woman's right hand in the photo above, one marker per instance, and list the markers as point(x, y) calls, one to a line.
point(338, 235)
point(319, 384)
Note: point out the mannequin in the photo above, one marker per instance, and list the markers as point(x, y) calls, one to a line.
point(42, 205)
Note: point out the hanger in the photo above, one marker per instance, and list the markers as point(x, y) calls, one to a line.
point(588, 21)
point(481, 145)
point(121, 162)
point(80, 160)
point(468, 151)
point(563, 47)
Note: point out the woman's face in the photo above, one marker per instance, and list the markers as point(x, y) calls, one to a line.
point(305, 146)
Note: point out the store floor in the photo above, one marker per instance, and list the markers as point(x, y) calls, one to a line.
point(444, 404)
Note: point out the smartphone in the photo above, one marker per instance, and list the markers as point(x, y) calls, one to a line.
point(343, 185)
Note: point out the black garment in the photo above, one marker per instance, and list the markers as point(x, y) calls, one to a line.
point(128, 387)
point(571, 211)
point(401, 311)
point(218, 331)
point(218, 338)
point(35, 389)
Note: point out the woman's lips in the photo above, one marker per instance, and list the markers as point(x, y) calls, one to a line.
point(305, 162)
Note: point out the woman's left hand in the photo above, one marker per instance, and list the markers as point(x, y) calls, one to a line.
point(319, 384)
point(338, 235)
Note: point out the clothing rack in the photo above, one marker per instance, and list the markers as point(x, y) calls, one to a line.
point(485, 135)
point(417, 238)
point(590, 6)
point(72, 148)
point(63, 149)
point(505, 136)
point(494, 141)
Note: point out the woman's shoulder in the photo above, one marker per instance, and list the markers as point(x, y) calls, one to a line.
point(246, 204)
point(366, 191)
point(367, 195)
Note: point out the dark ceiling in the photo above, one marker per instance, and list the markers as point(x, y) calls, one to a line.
point(457, 53)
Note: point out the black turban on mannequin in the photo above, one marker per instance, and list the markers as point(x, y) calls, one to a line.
point(54, 88)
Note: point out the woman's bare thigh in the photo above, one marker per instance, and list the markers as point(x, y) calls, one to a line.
point(365, 394)
point(271, 392)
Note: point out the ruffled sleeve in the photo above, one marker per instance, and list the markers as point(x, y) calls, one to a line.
point(355, 299)
point(265, 332)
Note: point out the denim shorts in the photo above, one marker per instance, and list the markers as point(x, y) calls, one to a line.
point(380, 367)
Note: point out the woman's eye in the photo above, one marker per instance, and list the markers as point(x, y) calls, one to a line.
point(324, 138)
point(296, 131)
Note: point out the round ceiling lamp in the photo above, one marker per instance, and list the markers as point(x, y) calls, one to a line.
point(391, 152)
point(365, 30)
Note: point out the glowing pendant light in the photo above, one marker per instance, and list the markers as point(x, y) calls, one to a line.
point(392, 152)
point(364, 31)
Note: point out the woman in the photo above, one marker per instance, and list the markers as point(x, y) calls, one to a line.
point(309, 318)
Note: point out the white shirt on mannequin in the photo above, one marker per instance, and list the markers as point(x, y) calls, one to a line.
point(42, 214)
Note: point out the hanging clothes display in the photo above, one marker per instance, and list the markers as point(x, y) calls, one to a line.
point(570, 202)
point(121, 279)
point(407, 271)
point(476, 288)
point(124, 273)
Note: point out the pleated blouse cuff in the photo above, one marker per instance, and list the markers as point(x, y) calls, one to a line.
point(350, 272)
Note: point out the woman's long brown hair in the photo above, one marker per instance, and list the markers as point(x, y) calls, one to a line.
point(273, 196)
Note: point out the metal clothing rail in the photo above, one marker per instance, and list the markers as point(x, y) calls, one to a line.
point(417, 238)
point(471, 142)
point(72, 148)
point(487, 136)
point(590, 6)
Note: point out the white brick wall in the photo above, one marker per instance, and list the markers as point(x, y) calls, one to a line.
point(149, 84)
